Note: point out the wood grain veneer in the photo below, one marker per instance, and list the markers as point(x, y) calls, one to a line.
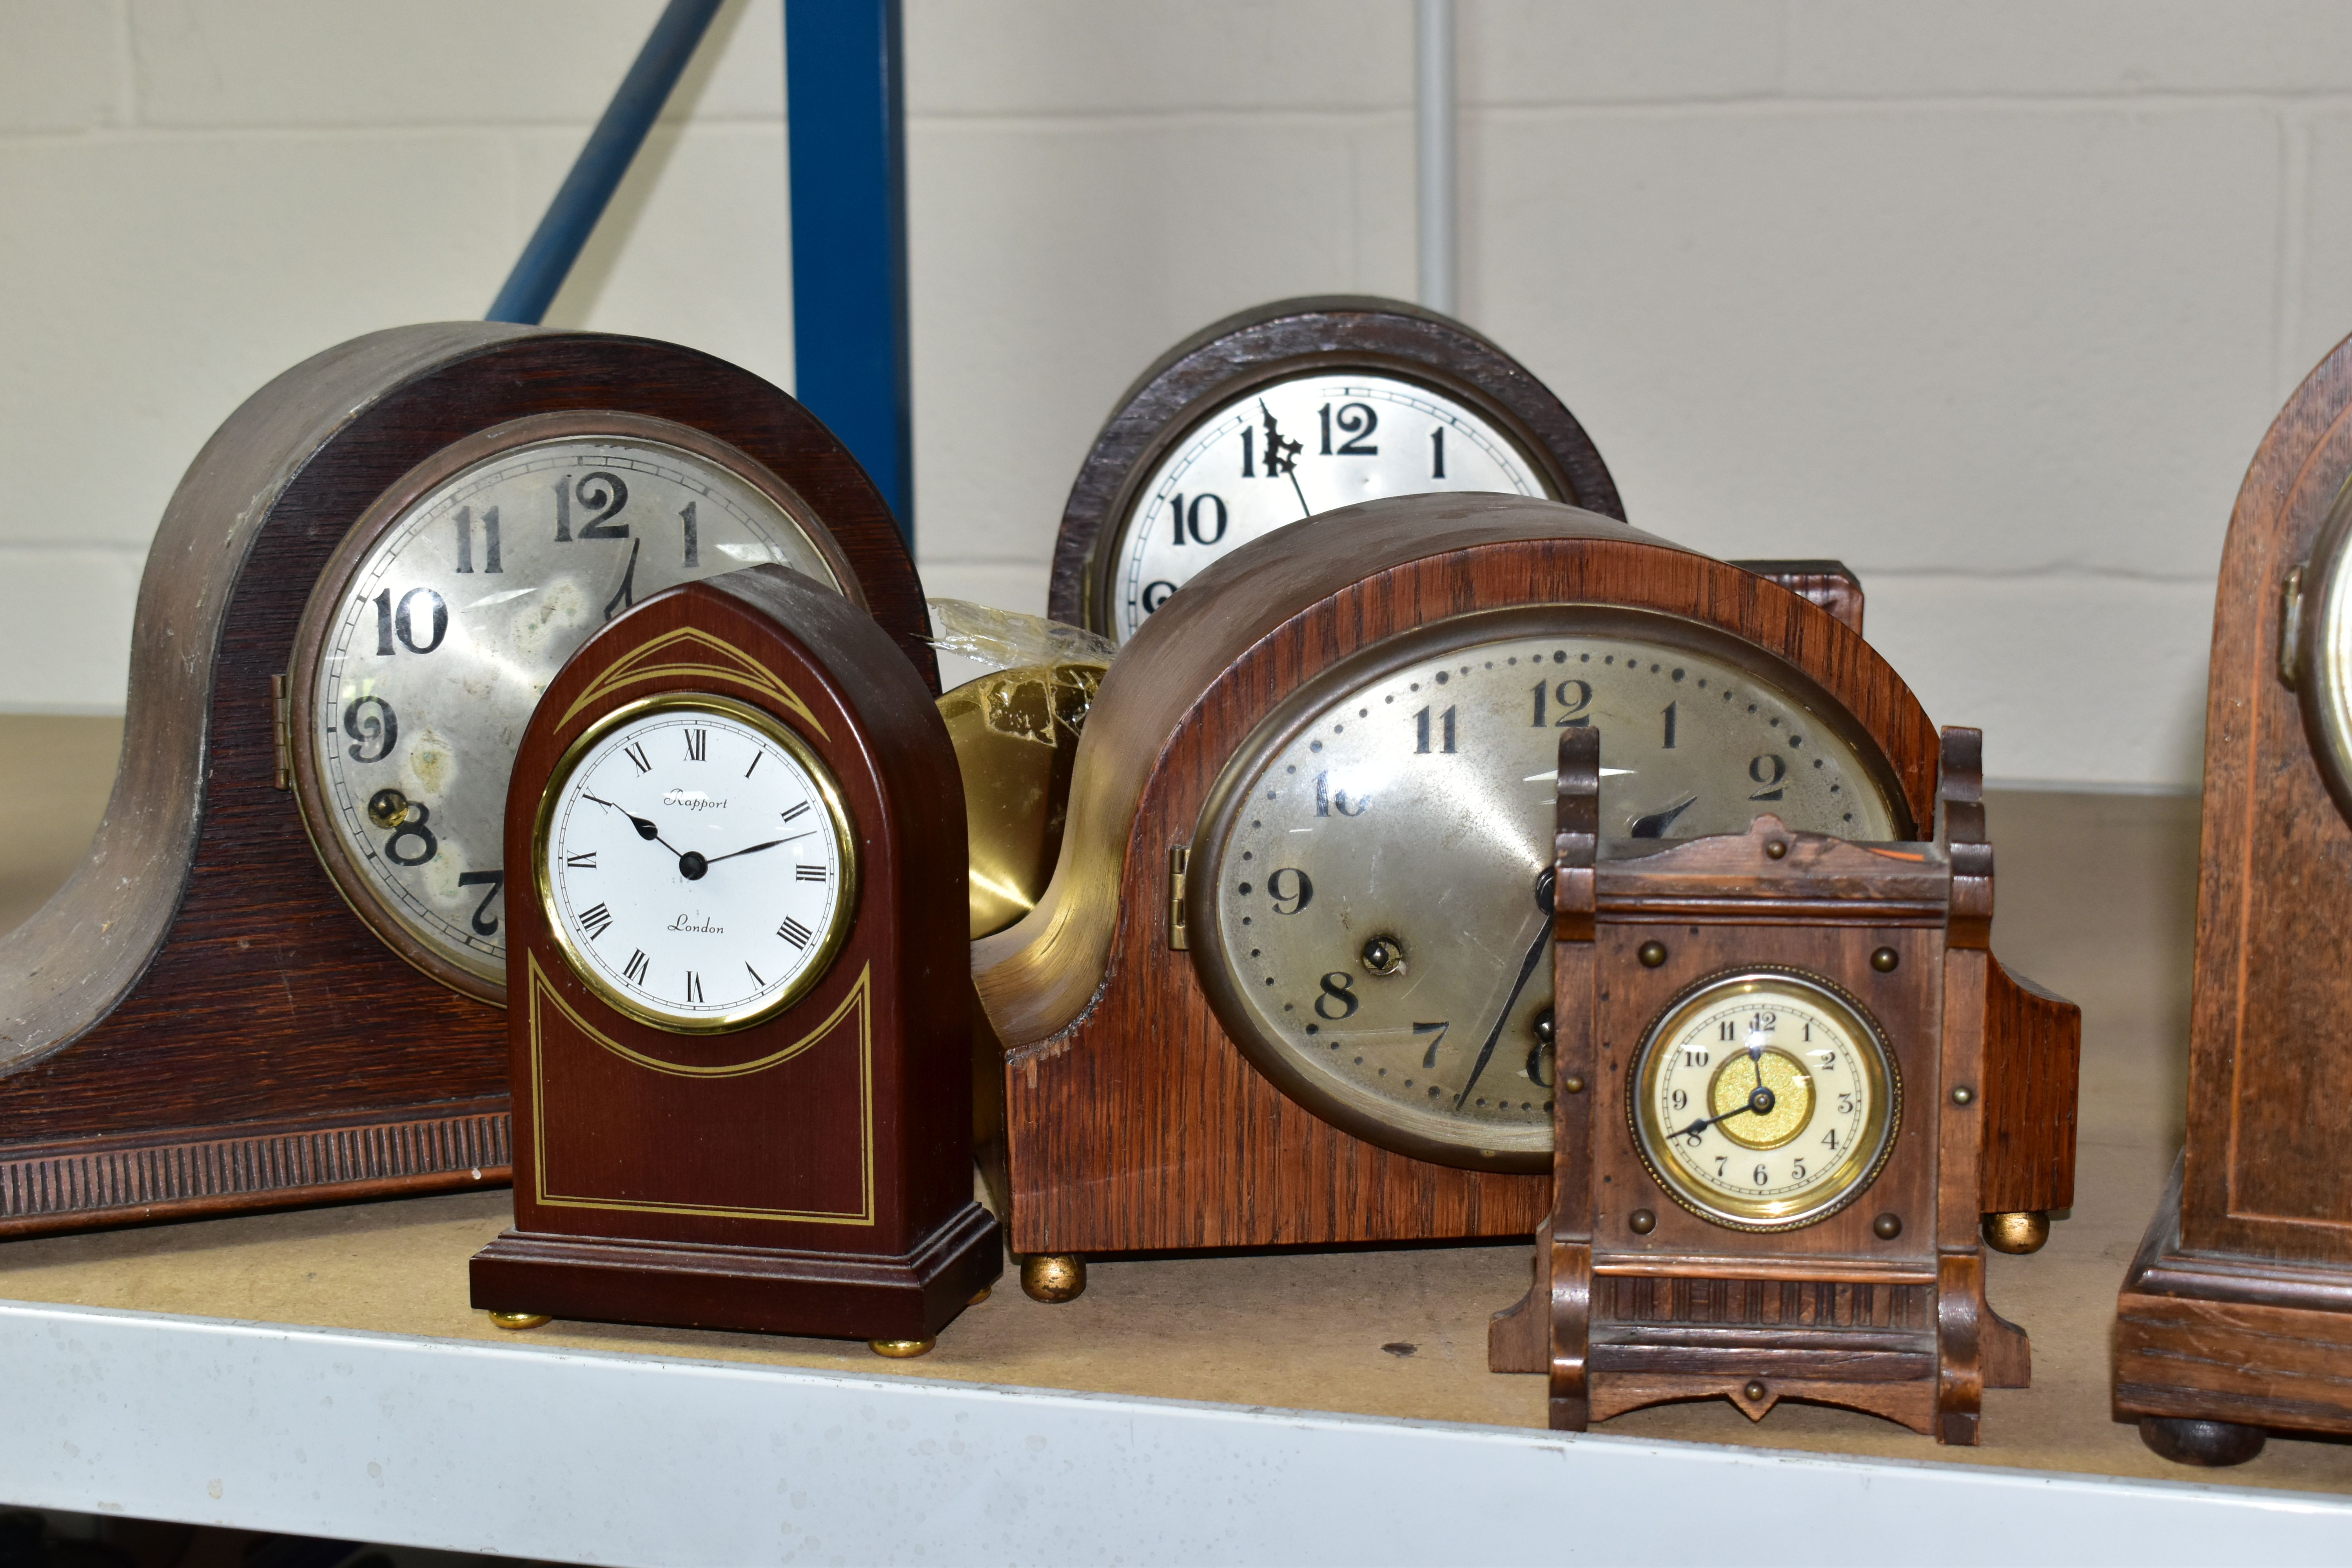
point(196, 1022)
point(1133, 1122)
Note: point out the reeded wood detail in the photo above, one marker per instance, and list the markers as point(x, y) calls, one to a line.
point(67, 1190)
point(1778, 1304)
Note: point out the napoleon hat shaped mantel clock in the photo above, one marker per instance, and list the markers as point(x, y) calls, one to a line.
point(2236, 1318)
point(1769, 1118)
point(1301, 407)
point(275, 979)
point(737, 1015)
point(1287, 984)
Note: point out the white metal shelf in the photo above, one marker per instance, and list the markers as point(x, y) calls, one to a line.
point(592, 1457)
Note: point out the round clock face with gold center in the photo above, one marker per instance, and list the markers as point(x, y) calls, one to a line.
point(1764, 1100)
point(1371, 881)
point(444, 613)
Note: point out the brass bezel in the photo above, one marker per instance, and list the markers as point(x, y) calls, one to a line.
point(386, 513)
point(1300, 709)
point(1850, 1178)
point(844, 908)
point(2324, 679)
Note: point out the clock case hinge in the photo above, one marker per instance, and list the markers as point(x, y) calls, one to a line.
point(281, 735)
point(1178, 856)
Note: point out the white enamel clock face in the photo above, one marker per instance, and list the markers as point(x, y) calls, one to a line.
point(438, 641)
point(696, 863)
point(1764, 1102)
point(1290, 450)
point(1380, 864)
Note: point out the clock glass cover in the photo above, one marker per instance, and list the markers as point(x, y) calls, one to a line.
point(695, 862)
point(1372, 870)
point(1764, 1101)
point(1287, 451)
point(451, 605)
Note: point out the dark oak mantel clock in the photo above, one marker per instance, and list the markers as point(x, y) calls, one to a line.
point(737, 1015)
point(1769, 1118)
point(2235, 1319)
point(1287, 985)
point(276, 979)
point(1304, 406)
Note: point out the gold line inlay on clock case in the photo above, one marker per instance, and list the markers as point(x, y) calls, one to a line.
point(642, 665)
point(857, 1002)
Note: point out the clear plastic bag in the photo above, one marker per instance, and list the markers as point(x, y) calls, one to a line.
point(1007, 639)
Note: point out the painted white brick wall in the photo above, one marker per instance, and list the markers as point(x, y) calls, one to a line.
point(1992, 300)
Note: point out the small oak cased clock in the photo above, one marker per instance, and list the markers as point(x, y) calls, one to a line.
point(2236, 1318)
point(277, 977)
point(737, 1023)
point(1304, 406)
point(1287, 985)
point(1769, 1118)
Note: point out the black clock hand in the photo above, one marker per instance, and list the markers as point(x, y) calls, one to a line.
point(625, 596)
point(1526, 968)
point(644, 829)
point(1761, 1102)
point(755, 848)
point(1654, 826)
point(1282, 457)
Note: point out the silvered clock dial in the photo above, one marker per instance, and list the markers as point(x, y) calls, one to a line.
point(447, 609)
point(1371, 873)
point(1286, 451)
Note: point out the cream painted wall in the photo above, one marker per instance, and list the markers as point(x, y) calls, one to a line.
point(1991, 300)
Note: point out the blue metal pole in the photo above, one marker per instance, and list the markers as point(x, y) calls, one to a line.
point(845, 99)
point(571, 218)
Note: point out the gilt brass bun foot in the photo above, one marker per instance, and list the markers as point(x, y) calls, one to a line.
point(985, 1292)
point(899, 1350)
point(2209, 1443)
point(517, 1322)
point(1054, 1276)
point(2021, 1230)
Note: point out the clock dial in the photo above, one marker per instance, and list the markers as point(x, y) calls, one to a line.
point(1764, 1101)
point(1288, 451)
point(1375, 867)
point(696, 863)
point(440, 622)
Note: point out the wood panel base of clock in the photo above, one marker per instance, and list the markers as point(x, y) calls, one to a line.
point(753, 1290)
point(1916, 1347)
point(404, 1151)
point(2222, 1337)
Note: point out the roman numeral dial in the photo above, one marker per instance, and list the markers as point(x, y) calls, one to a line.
point(698, 865)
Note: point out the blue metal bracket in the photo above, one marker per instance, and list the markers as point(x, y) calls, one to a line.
point(845, 100)
point(572, 217)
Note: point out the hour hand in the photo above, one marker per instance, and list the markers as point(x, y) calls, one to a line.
point(644, 829)
point(1656, 824)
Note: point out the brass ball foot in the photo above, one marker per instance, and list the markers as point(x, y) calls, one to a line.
point(2022, 1230)
point(2209, 1443)
point(1054, 1276)
point(517, 1322)
point(985, 1292)
point(899, 1350)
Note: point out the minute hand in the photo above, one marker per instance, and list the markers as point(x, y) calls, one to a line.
point(755, 848)
point(1526, 968)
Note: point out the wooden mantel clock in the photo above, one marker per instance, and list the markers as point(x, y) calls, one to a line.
point(737, 1017)
point(277, 977)
point(1300, 406)
point(1287, 985)
point(2236, 1317)
point(1769, 1118)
